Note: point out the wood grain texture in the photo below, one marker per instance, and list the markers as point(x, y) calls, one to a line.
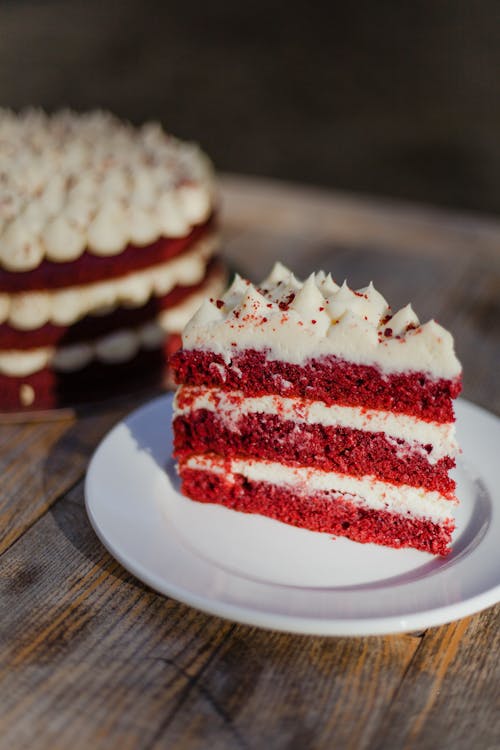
point(450, 695)
point(272, 690)
point(89, 657)
point(41, 461)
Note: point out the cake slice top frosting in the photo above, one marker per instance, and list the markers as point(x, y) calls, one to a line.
point(72, 182)
point(297, 321)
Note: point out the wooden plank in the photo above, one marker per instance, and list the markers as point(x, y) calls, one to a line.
point(450, 695)
point(23, 497)
point(266, 690)
point(401, 277)
point(91, 658)
point(473, 312)
point(40, 461)
point(301, 212)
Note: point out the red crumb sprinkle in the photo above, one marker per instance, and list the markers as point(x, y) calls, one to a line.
point(321, 309)
point(388, 332)
point(285, 303)
point(236, 313)
point(219, 303)
point(264, 320)
point(360, 294)
point(314, 322)
point(270, 304)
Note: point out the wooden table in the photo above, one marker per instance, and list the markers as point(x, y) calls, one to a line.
point(91, 658)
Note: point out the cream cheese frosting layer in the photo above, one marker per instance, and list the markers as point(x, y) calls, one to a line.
point(297, 321)
point(367, 491)
point(231, 406)
point(30, 310)
point(114, 348)
point(73, 182)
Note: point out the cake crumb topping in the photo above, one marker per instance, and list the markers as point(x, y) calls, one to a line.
point(296, 321)
point(71, 182)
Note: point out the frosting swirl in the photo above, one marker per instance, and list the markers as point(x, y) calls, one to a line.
point(296, 321)
point(72, 182)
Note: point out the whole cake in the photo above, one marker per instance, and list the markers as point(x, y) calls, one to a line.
point(106, 250)
point(317, 406)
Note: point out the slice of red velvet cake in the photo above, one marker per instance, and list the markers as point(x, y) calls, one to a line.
point(315, 405)
point(107, 248)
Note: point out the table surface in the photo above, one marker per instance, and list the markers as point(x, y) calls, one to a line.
point(91, 658)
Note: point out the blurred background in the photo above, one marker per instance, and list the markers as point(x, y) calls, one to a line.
point(391, 98)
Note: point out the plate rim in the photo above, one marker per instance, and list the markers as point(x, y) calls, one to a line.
point(376, 624)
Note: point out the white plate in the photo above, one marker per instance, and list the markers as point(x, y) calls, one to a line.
point(261, 572)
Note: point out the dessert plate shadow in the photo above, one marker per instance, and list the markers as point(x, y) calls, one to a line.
point(258, 571)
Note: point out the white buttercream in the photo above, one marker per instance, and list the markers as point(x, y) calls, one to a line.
point(72, 182)
point(117, 347)
point(20, 247)
point(20, 363)
point(108, 231)
point(30, 310)
point(71, 358)
point(152, 335)
point(143, 225)
point(170, 217)
point(367, 491)
point(351, 325)
point(63, 240)
point(402, 320)
point(173, 319)
point(195, 202)
point(114, 348)
point(230, 406)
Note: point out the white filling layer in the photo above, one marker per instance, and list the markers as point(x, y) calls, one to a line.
point(367, 491)
point(320, 319)
point(30, 310)
point(230, 406)
point(113, 348)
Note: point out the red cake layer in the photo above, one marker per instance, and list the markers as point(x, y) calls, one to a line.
point(97, 381)
point(94, 326)
point(319, 512)
point(89, 268)
point(339, 449)
point(331, 380)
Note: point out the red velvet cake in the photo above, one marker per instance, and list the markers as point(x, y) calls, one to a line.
point(107, 245)
point(317, 406)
